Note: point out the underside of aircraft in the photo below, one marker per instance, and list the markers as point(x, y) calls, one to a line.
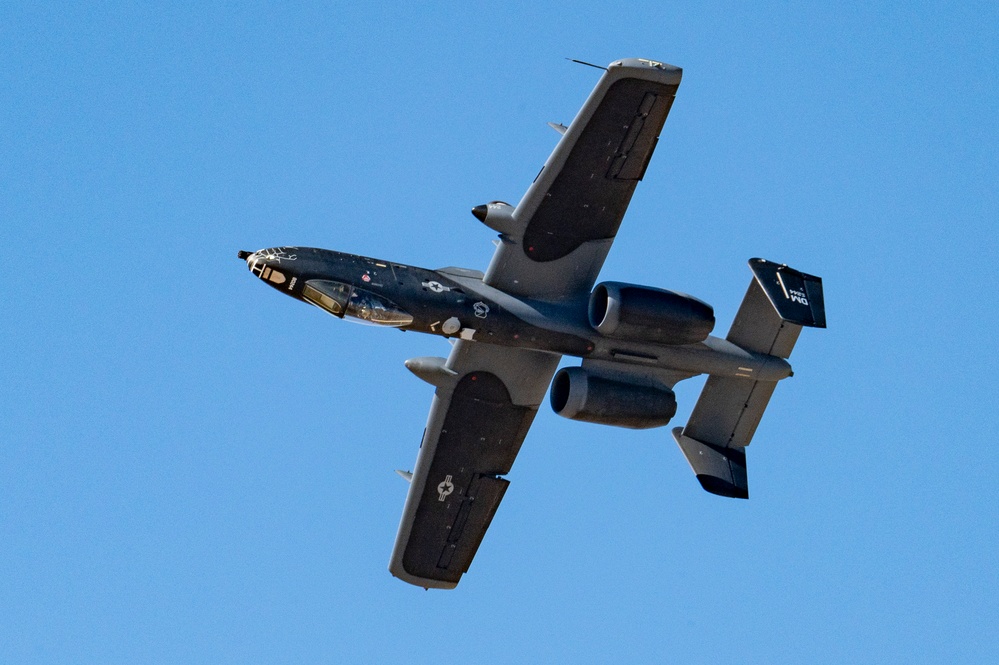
point(538, 301)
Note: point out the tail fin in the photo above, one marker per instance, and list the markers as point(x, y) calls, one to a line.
point(779, 302)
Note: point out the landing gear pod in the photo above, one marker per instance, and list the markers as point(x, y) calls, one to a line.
point(498, 216)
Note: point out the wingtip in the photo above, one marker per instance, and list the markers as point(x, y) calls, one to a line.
point(666, 73)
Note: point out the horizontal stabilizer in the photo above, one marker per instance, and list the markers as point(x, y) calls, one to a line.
point(720, 470)
point(720, 427)
point(729, 410)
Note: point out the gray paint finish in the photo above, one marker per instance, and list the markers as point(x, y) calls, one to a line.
point(536, 303)
point(574, 207)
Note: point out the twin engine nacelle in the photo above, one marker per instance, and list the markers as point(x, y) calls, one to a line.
point(578, 395)
point(645, 314)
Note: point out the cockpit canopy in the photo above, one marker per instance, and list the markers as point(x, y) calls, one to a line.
point(344, 300)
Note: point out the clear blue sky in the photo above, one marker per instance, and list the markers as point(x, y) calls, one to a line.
point(194, 469)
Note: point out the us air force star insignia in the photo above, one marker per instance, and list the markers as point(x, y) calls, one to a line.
point(481, 309)
point(436, 287)
point(445, 488)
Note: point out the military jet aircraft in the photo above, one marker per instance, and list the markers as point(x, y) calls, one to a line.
point(537, 302)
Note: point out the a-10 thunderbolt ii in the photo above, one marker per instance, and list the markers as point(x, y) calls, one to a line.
point(537, 302)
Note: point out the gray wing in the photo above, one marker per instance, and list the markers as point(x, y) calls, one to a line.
point(477, 422)
point(569, 216)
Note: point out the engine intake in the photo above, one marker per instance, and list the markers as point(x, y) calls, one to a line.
point(645, 314)
point(578, 395)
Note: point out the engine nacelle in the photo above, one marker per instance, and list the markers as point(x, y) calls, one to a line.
point(644, 314)
point(578, 395)
point(498, 216)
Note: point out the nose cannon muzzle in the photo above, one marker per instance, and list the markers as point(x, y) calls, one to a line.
point(253, 261)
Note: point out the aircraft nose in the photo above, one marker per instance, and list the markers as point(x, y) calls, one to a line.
point(249, 257)
point(255, 261)
point(267, 265)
